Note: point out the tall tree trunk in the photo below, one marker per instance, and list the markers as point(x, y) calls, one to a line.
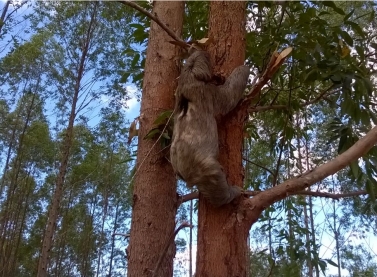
point(11, 210)
point(302, 199)
point(111, 258)
point(67, 144)
point(222, 242)
point(3, 14)
point(154, 196)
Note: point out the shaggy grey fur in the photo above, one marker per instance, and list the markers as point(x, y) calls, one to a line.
point(195, 149)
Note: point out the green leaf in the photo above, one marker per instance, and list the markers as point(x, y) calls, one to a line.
point(374, 117)
point(342, 143)
point(355, 27)
point(322, 264)
point(163, 117)
point(336, 79)
point(347, 38)
point(355, 169)
point(332, 5)
point(369, 187)
point(165, 135)
point(135, 60)
point(360, 52)
point(136, 26)
point(152, 133)
point(124, 77)
point(349, 15)
point(311, 76)
point(331, 262)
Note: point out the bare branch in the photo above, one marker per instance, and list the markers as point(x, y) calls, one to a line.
point(168, 243)
point(154, 18)
point(296, 185)
point(188, 197)
point(335, 196)
point(322, 95)
point(258, 165)
point(123, 235)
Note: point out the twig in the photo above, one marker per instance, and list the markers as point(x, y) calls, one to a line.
point(188, 197)
point(150, 150)
point(258, 165)
point(154, 18)
point(285, 107)
point(335, 196)
point(166, 248)
point(120, 234)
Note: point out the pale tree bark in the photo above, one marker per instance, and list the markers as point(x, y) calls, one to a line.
point(154, 195)
point(54, 208)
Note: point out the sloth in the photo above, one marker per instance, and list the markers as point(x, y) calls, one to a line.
point(195, 146)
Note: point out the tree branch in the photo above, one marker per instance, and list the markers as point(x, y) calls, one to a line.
point(123, 235)
point(188, 197)
point(258, 83)
point(335, 196)
point(296, 185)
point(322, 95)
point(168, 243)
point(154, 18)
point(258, 165)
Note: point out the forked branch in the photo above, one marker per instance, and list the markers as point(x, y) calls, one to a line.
point(296, 185)
point(167, 245)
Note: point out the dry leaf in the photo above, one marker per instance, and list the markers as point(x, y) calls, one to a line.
point(133, 131)
point(283, 54)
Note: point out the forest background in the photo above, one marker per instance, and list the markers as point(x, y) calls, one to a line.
point(70, 76)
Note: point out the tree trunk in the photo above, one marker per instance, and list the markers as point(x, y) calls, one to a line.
point(3, 14)
point(67, 144)
point(222, 242)
point(154, 196)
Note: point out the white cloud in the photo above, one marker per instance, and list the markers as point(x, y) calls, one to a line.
point(132, 103)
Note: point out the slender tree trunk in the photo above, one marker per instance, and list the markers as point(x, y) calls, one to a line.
point(9, 220)
point(190, 242)
point(222, 242)
point(310, 201)
point(306, 212)
point(3, 14)
point(336, 234)
point(113, 241)
point(53, 213)
point(154, 196)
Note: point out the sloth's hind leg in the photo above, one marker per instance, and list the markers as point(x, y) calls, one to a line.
point(213, 184)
